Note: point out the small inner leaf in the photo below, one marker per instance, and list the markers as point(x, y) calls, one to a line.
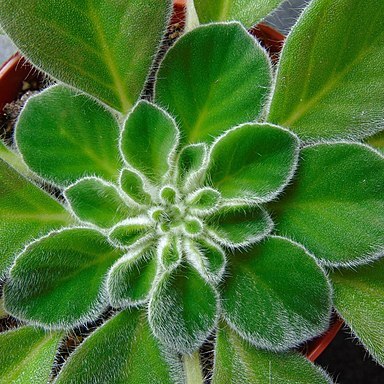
point(190, 166)
point(203, 200)
point(169, 252)
point(130, 231)
point(168, 195)
point(239, 225)
point(193, 226)
point(149, 141)
point(132, 184)
point(131, 278)
point(97, 202)
point(253, 162)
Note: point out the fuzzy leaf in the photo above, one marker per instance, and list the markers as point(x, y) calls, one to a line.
point(149, 140)
point(26, 212)
point(239, 225)
point(101, 47)
point(207, 257)
point(64, 136)
point(277, 280)
point(238, 362)
point(252, 162)
point(330, 79)
point(58, 281)
point(97, 202)
point(377, 141)
point(213, 78)
point(248, 12)
point(132, 184)
point(27, 355)
point(130, 279)
point(191, 166)
point(183, 309)
point(335, 205)
point(359, 298)
point(130, 231)
point(123, 350)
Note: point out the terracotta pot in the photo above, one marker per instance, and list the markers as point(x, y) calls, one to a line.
point(16, 71)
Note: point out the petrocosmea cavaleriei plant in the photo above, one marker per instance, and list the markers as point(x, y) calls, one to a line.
point(237, 203)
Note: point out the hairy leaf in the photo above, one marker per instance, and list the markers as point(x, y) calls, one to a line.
point(213, 78)
point(58, 281)
point(102, 47)
point(133, 185)
point(149, 140)
point(253, 162)
point(183, 309)
point(239, 225)
point(26, 212)
point(238, 362)
point(27, 355)
point(97, 202)
point(335, 205)
point(131, 279)
point(64, 136)
point(123, 350)
point(377, 141)
point(248, 12)
point(359, 298)
point(330, 78)
point(276, 279)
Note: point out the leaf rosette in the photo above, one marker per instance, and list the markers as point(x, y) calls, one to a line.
point(190, 212)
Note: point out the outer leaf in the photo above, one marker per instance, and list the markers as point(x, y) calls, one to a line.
point(330, 78)
point(97, 202)
point(253, 162)
point(213, 78)
point(183, 310)
point(335, 205)
point(239, 225)
point(277, 280)
point(131, 279)
point(27, 355)
point(237, 362)
point(101, 47)
point(377, 141)
point(26, 212)
point(58, 281)
point(64, 136)
point(359, 298)
point(248, 12)
point(123, 350)
point(149, 140)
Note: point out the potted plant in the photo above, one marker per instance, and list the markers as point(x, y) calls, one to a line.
point(234, 207)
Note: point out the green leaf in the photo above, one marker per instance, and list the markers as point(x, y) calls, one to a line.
point(377, 141)
point(335, 205)
point(329, 80)
point(58, 281)
point(64, 136)
point(213, 78)
point(27, 355)
point(239, 225)
point(26, 213)
point(248, 12)
point(131, 279)
point(253, 162)
point(101, 47)
point(123, 350)
point(183, 309)
point(277, 280)
point(203, 201)
point(97, 202)
point(131, 231)
point(358, 297)
point(191, 166)
point(149, 140)
point(207, 257)
point(238, 362)
point(133, 185)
